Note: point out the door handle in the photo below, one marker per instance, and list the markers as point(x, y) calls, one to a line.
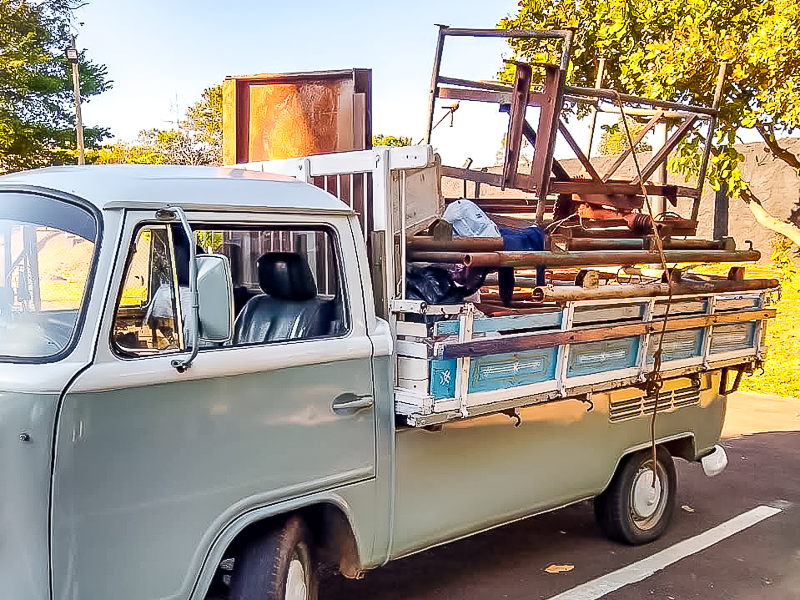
point(350, 403)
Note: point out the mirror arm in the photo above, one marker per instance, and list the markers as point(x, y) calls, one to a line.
point(181, 365)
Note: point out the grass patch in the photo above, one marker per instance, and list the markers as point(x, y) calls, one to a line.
point(781, 374)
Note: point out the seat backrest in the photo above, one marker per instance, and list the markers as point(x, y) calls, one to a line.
point(289, 308)
point(240, 292)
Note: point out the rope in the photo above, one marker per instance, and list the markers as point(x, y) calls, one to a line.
point(654, 379)
point(557, 223)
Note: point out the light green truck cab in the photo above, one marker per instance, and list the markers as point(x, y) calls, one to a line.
point(145, 444)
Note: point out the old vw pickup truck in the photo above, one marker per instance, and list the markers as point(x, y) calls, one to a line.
point(207, 389)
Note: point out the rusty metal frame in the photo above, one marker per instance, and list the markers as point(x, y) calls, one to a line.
point(547, 176)
point(663, 153)
point(516, 122)
point(639, 137)
point(724, 390)
point(446, 31)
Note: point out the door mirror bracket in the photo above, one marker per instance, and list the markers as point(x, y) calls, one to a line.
point(210, 315)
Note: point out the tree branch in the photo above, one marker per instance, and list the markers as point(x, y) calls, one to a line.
point(785, 155)
point(767, 220)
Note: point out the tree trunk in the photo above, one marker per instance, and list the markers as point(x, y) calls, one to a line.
point(767, 220)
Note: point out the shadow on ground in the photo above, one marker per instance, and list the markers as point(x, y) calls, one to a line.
point(509, 562)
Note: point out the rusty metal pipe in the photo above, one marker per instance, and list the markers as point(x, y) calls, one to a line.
point(607, 292)
point(516, 297)
point(641, 244)
point(672, 244)
point(457, 244)
point(605, 244)
point(582, 259)
point(627, 98)
point(519, 281)
point(522, 281)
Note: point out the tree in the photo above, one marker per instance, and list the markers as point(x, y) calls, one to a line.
point(671, 51)
point(614, 139)
point(204, 122)
point(197, 141)
point(159, 147)
point(390, 140)
point(37, 117)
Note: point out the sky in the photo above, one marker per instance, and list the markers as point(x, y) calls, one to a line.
point(161, 55)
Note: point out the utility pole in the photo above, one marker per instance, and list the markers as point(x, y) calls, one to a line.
point(659, 203)
point(601, 70)
point(72, 57)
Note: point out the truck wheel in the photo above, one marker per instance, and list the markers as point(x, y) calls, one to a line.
point(631, 510)
point(276, 566)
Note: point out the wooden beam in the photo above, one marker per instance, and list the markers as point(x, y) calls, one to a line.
point(448, 93)
point(485, 347)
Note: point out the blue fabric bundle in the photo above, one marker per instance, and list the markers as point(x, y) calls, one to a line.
point(531, 238)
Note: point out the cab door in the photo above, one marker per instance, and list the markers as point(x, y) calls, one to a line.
point(152, 464)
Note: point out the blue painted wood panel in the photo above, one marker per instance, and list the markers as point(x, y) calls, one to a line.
point(678, 345)
point(727, 338)
point(737, 303)
point(503, 371)
point(507, 323)
point(443, 378)
point(596, 357)
point(586, 315)
point(681, 307)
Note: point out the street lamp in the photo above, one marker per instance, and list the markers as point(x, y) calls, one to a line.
point(72, 57)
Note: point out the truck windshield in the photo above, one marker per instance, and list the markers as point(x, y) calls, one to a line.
point(47, 248)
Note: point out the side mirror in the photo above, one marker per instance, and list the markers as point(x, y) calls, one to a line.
point(215, 298)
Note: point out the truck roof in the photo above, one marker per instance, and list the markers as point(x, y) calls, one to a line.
point(145, 186)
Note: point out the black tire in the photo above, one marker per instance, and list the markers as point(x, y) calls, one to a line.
point(264, 567)
point(623, 511)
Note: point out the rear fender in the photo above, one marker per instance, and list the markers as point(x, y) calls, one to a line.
point(681, 445)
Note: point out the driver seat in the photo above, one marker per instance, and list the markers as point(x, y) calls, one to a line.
point(289, 307)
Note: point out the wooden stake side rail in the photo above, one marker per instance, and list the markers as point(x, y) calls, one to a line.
point(476, 348)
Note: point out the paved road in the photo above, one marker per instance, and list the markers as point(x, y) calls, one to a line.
point(760, 562)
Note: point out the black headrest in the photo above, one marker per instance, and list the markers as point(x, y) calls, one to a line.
point(182, 260)
point(286, 275)
point(234, 254)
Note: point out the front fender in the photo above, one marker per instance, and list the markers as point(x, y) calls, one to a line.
point(218, 538)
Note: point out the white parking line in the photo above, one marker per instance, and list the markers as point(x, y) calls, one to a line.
point(597, 588)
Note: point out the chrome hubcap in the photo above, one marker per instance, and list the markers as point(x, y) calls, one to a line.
point(296, 581)
point(648, 500)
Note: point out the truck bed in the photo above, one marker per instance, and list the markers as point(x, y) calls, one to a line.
point(454, 363)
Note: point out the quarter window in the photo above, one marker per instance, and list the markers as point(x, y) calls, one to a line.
point(147, 319)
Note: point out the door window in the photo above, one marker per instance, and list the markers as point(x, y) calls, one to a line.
point(287, 282)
